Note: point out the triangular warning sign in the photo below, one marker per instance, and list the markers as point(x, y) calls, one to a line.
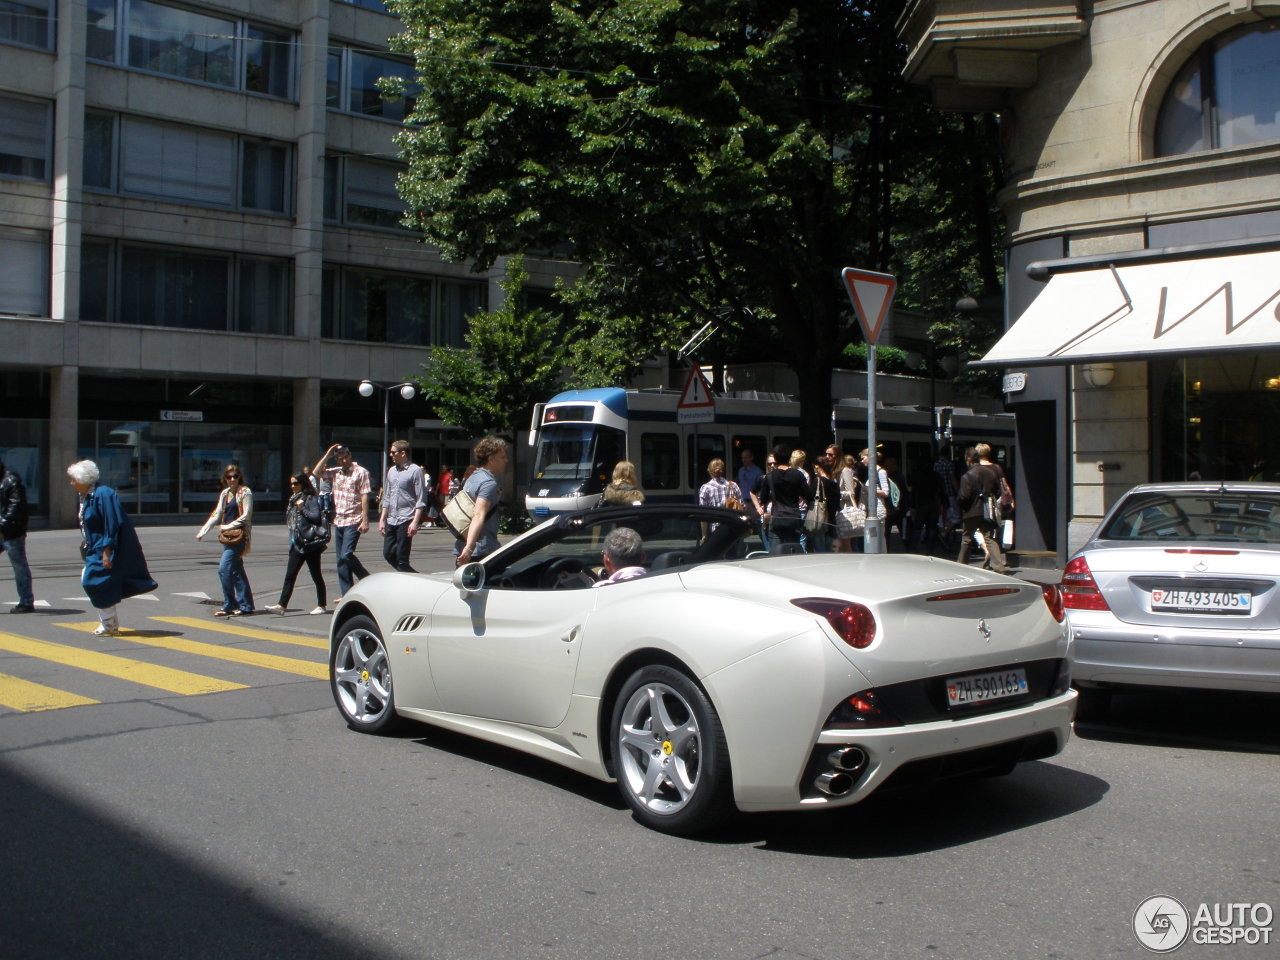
point(872, 296)
point(697, 392)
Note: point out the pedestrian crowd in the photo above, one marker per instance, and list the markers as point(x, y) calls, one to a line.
point(795, 505)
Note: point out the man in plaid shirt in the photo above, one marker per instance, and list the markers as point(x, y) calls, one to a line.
point(350, 483)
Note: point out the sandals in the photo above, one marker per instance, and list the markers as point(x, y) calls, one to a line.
point(222, 613)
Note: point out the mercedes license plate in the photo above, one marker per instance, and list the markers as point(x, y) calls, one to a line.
point(983, 687)
point(1202, 601)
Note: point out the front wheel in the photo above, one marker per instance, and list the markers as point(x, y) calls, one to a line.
point(670, 752)
point(360, 675)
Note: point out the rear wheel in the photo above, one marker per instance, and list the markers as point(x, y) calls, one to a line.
point(670, 752)
point(360, 676)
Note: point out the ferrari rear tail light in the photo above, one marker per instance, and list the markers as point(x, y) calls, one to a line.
point(1053, 600)
point(862, 711)
point(1079, 590)
point(854, 623)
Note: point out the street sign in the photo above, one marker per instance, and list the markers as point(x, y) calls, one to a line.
point(696, 405)
point(872, 296)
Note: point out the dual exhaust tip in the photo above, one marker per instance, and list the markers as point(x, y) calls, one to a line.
point(840, 779)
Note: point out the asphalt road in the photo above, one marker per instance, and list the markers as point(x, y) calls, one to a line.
point(250, 822)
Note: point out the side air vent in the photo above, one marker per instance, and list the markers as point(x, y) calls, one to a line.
point(409, 624)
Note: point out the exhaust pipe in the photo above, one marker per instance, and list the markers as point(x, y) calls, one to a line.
point(850, 759)
point(833, 784)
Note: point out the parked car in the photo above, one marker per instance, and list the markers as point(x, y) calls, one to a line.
point(720, 678)
point(1178, 588)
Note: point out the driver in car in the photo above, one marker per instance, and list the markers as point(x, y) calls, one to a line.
point(623, 556)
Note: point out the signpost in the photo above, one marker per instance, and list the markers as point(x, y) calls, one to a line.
point(696, 405)
point(872, 296)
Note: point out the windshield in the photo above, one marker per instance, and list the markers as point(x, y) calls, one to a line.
point(1243, 517)
point(670, 540)
point(577, 451)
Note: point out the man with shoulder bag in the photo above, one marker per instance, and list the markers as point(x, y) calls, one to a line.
point(979, 499)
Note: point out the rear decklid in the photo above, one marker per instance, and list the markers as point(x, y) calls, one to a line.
point(1207, 586)
point(932, 616)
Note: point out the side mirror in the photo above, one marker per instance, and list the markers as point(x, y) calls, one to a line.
point(469, 578)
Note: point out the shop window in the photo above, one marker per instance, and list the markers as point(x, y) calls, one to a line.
point(192, 46)
point(27, 22)
point(24, 273)
point(25, 146)
point(1223, 97)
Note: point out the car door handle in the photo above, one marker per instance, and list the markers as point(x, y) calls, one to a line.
point(571, 636)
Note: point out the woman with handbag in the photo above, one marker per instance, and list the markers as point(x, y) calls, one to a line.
point(851, 518)
point(114, 567)
point(233, 513)
point(308, 538)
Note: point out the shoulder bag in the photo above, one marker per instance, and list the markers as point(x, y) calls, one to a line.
point(851, 521)
point(457, 514)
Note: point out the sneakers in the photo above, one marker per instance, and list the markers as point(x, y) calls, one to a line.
point(107, 628)
point(274, 608)
point(318, 610)
point(22, 608)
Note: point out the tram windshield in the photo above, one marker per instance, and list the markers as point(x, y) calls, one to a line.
point(578, 451)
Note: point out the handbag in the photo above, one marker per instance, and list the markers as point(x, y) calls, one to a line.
point(851, 521)
point(457, 514)
point(815, 520)
point(232, 537)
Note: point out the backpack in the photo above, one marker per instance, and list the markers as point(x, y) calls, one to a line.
point(895, 495)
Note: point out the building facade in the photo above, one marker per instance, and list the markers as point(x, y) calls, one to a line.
point(200, 249)
point(1142, 141)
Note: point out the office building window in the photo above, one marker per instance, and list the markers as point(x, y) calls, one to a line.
point(25, 143)
point(186, 164)
point(186, 288)
point(362, 193)
point(377, 6)
point(192, 46)
point(1221, 98)
point(24, 273)
point(352, 84)
point(379, 307)
point(27, 22)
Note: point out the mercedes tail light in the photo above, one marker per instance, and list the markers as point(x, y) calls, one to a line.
point(855, 624)
point(1079, 590)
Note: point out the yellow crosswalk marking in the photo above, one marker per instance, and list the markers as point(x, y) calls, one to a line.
point(269, 661)
point(19, 694)
point(254, 633)
point(150, 675)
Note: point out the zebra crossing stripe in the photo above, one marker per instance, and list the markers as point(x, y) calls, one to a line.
point(122, 668)
point(19, 694)
point(269, 661)
point(253, 633)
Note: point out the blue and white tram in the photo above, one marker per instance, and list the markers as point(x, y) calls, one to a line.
point(581, 434)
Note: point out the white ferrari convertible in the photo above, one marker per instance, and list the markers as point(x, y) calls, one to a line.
point(720, 678)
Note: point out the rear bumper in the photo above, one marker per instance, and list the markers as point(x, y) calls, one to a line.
point(1122, 654)
point(892, 748)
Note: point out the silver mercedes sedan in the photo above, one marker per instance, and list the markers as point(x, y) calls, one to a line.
point(1178, 588)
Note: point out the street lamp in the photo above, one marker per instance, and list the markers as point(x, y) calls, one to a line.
point(408, 391)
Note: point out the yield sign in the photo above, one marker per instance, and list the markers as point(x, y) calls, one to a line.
point(872, 296)
point(696, 405)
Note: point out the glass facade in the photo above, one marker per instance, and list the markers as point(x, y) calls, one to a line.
point(352, 84)
point(381, 307)
point(27, 22)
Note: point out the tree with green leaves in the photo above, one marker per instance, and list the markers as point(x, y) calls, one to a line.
point(514, 358)
point(704, 160)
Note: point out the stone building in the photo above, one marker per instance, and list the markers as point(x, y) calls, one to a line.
point(1142, 143)
point(200, 253)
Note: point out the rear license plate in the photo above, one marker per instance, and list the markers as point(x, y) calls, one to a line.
point(984, 687)
point(1202, 601)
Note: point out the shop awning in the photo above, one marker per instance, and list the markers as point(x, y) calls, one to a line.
point(1211, 305)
